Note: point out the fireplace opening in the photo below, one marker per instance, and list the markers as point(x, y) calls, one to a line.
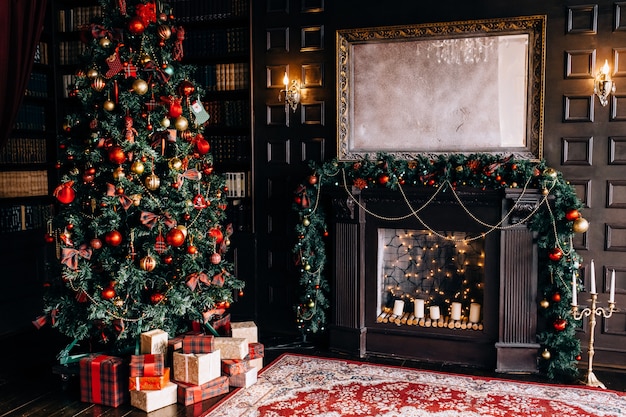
point(430, 279)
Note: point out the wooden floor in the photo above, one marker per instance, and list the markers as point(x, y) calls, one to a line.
point(32, 385)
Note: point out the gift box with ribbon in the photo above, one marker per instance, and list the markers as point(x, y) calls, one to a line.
point(196, 368)
point(235, 366)
point(256, 350)
point(153, 400)
point(150, 364)
point(245, 329)
point(154, 341)
point(104, 380)
point(232, 347)
point(191, 394)
point(245, 379)
point(198, 343)
point(146, 383)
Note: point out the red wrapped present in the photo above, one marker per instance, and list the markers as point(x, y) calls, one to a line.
point(235, 366)
point(222, 324)
point(151, 364)
point(191, 394)
point(104, 380)
point(198, 343)
point(256, 350)
point(147, 383)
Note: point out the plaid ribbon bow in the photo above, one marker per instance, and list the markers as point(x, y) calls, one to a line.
point(70, 256)
point(192, 280)
point(150, 219)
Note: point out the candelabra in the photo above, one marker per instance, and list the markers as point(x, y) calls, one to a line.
point(591, 312)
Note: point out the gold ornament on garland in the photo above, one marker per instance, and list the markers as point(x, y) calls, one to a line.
point(546, 354)
point(580, 225)
point(152, 182)
point(140, 86)
point(181, 123)
point(137, 167)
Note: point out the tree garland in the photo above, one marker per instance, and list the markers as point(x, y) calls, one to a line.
point(555, 221)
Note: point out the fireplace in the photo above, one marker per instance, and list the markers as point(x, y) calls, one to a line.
point(438, 285)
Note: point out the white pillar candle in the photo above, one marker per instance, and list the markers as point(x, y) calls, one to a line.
point(398, 307)
point(592, 279)
point(418, 307)
point(574, 290)
point(612, 288)
point(434, 312)
point(474, 315)
point(455, 311)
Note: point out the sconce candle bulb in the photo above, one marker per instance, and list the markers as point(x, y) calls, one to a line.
point(292, 93)
point(603, 85)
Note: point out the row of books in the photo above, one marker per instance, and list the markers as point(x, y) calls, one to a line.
point(23, 150)
point(238, 184)
point(202, 10)
point(73, 19)
point(23, 183)
point(37, 85)
point(228, 113)
point(15, 218)
point(230, 148)
point(224, 77)
point(41, 54)
point(217, 42)
point(70, 52)
point(31, 117)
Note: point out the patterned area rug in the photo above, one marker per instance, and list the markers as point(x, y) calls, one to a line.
point(298, 386)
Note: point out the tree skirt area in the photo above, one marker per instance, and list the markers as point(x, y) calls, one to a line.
point(297, 385)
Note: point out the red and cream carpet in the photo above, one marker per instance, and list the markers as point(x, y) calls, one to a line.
point(299, 386)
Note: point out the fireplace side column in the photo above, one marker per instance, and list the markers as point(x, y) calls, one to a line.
point(347, 329)
point(517, 346)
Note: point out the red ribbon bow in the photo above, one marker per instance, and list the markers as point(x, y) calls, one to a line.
point(190, 174)
point(150, 219)
point(193, 279)
point(178, 45)
point(70, 256)
point(125, 200)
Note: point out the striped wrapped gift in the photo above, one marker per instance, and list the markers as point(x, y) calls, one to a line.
point(151, 364)
point(191, 394)
point(104, 380)
point(203, 343)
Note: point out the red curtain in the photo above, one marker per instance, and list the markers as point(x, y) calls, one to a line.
point(21, 23)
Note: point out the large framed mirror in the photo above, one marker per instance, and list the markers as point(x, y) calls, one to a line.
point(456, 87)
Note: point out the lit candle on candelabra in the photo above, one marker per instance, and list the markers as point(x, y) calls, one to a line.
point(574, 290)
point(592, 279)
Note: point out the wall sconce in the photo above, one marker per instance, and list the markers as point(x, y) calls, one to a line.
point(603, 85)
point(292, 94)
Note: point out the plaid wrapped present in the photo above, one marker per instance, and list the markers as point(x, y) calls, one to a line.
point(232, 347)
point(149, 364)
point(191, 394)
point(245, 329)
point(146, 383)
point(195, 368)
point(222, 324)
point(235, 366)
point(104, 380)
point(256, 350)
point(198, 343)
point(245, 379)
point(154, 341)
point(153, 400)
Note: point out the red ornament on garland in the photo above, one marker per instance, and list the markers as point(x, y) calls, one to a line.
point(156, 297)
point(117, 155)
point(108, 293)
point(49, 238)
point(65, 193)
point(175, 237)
point(192, 250)
point(556, 297)
point(136, 26)
point(572, 214)
point(216, 234)
point(559, 324)
point(95, 243)
point(202, 145)
point(555, 254)
point(113, 238)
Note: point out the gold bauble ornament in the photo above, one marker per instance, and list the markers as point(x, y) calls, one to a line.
point(147, 263)
point(580, 225)
point(92, 73)
point(544, 303)
point(175, 163)
point(164, 32)
point(165, 122)
point(137, 167)
point(144, 59)
point(311, 304)
point(98, 83)
point(118, 173)
point(306, 221)
point(140, 86)
point(545, 191)
point(108, 105)
point(550, 172)
point(546, 354)
point(181, 123)
point(105, 42)
point(152, 182)
point(136, 198)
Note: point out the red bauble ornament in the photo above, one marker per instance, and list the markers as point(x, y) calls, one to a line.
point(175, 237)
point(216, 258)
point(578, 357)
point(136, 26)
point(113, 238)
point(202, 146)
point(207, 169)
point(559, 324)
point(556, 297)
point(48, 238)
point(175, 109)
point(117, 155)
point(95, 243)
point(572, 214)
point(216, 233)
point(192, 250)
point(555, 254)
point(312, 179)
point(199, 202)
point(186, 88)
point(108, 293)
point(383, 179)
point(156, 297)
point(168, 259)
point(65, 193)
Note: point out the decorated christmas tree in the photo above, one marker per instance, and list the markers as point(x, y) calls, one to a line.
point(141, 229)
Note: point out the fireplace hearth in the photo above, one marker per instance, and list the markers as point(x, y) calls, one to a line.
point(376, 302)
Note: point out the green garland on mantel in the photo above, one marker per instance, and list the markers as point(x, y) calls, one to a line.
point(555, 222)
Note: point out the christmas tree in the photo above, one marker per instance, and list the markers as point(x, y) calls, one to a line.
point(140, 231)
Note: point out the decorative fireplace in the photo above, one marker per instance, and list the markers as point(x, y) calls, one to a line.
point(449, 283)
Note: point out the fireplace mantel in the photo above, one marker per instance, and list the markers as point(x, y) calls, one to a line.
point(506, 343)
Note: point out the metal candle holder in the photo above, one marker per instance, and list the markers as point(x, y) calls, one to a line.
point(592, 312)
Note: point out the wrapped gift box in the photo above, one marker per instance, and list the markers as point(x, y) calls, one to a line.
point(221, 324)
point(151, 364)
point(104, 380)
point(154, 341)
point(257, 363)
point(155, 399)
point(235, 366)
point(245, 329)
point(198, 343)
point(196, 368)
point(191, 394)
point(144, 383)
point(243, 380)
point(256, 350)
point(232, 347)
